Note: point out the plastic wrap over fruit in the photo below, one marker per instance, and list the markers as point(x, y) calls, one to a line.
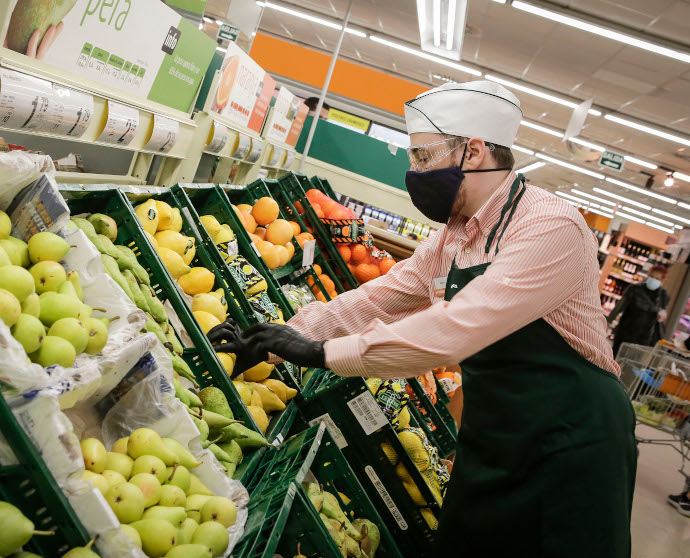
point(392, 399)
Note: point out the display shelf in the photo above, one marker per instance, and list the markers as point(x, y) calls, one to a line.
point(610, 294)
point(87, 178)
point(30, 486)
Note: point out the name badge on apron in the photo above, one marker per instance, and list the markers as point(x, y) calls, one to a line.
point(439, 286)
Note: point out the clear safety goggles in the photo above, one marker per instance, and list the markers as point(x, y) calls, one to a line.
point(427, 156)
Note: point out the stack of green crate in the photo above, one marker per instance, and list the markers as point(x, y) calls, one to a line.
point(31, 487)
point(434, 419)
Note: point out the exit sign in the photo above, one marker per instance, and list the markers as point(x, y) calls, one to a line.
point(228, 32)
point(611, 160)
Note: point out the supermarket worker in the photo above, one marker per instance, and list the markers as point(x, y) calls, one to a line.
point(546, 459)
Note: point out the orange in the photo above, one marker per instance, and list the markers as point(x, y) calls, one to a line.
point(316, 196)
point(244, 207)
point(317, 269)
point(295, 227)
point(227, 80)
point(332, 294)
point(340, 214)
point(255, 239)
point(310, 280)
point(345, 252)
point(248, 222)
point(319, 212)
point(360, 254)
point(260, 232)
point(352, 269)
point(329, 207)
point(327, 282)
point(279, 232)
point(366, 272)
point(303, 237)
point(385, 265)
point(269, 254)
point(290, 247)
point(238, 211)
point(320, 297)
point(283, 255)
point(299, 208)
point(265, 211)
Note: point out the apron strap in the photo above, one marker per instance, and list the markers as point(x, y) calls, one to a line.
point(520, 179)
point(510, 215)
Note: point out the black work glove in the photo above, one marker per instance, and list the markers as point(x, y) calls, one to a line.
point(227, 338)
point(285, 342)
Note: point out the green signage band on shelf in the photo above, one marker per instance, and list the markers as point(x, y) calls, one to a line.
point(228, 32)
point(611, 160)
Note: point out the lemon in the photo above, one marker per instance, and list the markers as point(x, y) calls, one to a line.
point(198, 280)
point(245, 390)
point(147, 213)
point(188, 256)
point(173, 240)
point(177, 220)
point(173, 262)
point(209, 303)
point(153, 240)
point(165, 216)
point(211, 224)
point(206, 320)
point(256, 400)
point(227, 362)
point(224, 235)
point(259, 372)
point(260, 417)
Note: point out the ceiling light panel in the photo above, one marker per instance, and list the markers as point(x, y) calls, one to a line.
point(672, 215)
point(574, 198)
point(640, 162)
point(425, 55)
point(570, 166)
point(681, 176)
point(442, 26)
point(309, 17)
point(541, 128)
point(631, 217)
point(622, 198)
point(646, 216)
point(643, 191)
point(585, 194)
point(655, 226)
point(648, 129)
point(598, 212)
point(587, 144)
point(531, 167)
point(522, 149)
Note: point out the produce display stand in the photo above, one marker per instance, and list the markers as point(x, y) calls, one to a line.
point(30, 486)
point(331, 399)
point(434, 419)
point(314, 451)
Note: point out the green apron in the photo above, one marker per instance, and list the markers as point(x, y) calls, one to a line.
point(546, 456)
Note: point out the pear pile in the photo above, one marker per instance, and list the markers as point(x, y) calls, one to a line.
point(263, 397)
point(358, 539)
point(162, 506)
point(16, 531)
point(43, 304)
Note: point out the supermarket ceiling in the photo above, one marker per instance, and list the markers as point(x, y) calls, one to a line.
point(507, 42)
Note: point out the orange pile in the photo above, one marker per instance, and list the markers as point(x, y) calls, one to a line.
point(326, 281)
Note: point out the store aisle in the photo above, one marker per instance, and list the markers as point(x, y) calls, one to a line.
point(658, 531)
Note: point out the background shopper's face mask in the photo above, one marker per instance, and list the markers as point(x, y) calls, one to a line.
point(653, 284)
point(433, 191)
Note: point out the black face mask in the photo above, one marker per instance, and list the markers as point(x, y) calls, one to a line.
point(433, 192)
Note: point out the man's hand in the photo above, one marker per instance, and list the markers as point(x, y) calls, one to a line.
point(227, 338)
point(286, 343)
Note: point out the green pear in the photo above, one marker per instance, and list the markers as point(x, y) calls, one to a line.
point(126, 501)
point(150, 464)
point(179, 475)
point(190, 551)
point(172, 496)
point(18, 281)
point(16, 529)
point(73, 331)
point(371, 536)
point(5, 225)
point(197, 487)
point(54, 350)
point(4, 258)
point(31, 305)
point(219, 509)
point(97, 332)
point(55, 306)
point(150, 487)
point(82, 552)
point(214, 535)
point(145, 441)
point(105, 225)
point(120, 446)
point(174, 515)
point(187, 530)
point(118, 462)
point(214, 400)
point(17, 251)
point(194, 504)
point(331, 509)
point(67, 287)
point(113, 477)
point(48, 276)
point(94, 453)
point(10, 309)
point(97, 480)
point(132, 533)
point(158, 536)
point(47, 246)
point(183, 454)
point(73, 277)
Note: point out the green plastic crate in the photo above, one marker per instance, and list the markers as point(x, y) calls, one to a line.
point(330, 398)
point(31, 487)
point(435, 420)
point(323, 185)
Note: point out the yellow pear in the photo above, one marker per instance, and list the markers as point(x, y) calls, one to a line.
point(284, 392)
point(269, 400)
point(256, 400)
point(209, 303)
point(224, 235)
point(245, 390)
point(198, 280)
point(227, 362)
point(211, 224)
point(153, 240)
point(173, 240)
point(148, 215)
point(259, 372)
point(173, 262)
point(260, 417)
point(189, 254)
point(206, 320)
point(165, 216)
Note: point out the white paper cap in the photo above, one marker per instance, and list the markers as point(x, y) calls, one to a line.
point(482, 109)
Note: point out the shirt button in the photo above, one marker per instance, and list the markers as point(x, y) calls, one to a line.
point(468, 249)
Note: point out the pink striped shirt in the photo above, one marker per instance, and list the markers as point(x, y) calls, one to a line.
point(397, 326)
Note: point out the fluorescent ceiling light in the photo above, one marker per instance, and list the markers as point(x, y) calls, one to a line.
point(450, 29)
point(677, 227)
point(207, 19)
point(221, 49)
point(640, 162)
point(672, 216)
point(669, 231)
point(648, 129)
point(587, 144)
point(437, 23)
point(537, 93)
point(626, 200)
point(528, 151)
point(646, 216)
point(573, 203)
point(683, 205)
point(601, 31)
point(531, 167)
point(585, 194)
point(643, 191)
point(571, 167)
point(311, 18)
point(575, 198)
point(500, 1)
point(218, 22)
point(679, 176)
point(597, 211)
point(631, 217)
point(541, 128)
point(426, 56)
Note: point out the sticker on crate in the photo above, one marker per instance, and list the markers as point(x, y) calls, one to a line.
point(386, 497)
point(334, 431)
point(367, 412)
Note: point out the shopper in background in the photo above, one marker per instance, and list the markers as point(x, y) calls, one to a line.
point(312, 103)
point(643, 311)
point(546, 460)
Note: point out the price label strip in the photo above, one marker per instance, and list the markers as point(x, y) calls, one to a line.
point(121, 126)
point(367, 412)
point(24, 100)
point(164, 135)
point(308, 253)
point(70, 112)
point(333, 429)
point(255, 153)
point(386, 497)
point(220, 138)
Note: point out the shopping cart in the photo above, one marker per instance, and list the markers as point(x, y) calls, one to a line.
point(657, 381)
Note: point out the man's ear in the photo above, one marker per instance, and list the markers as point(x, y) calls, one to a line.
point(474, 154)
